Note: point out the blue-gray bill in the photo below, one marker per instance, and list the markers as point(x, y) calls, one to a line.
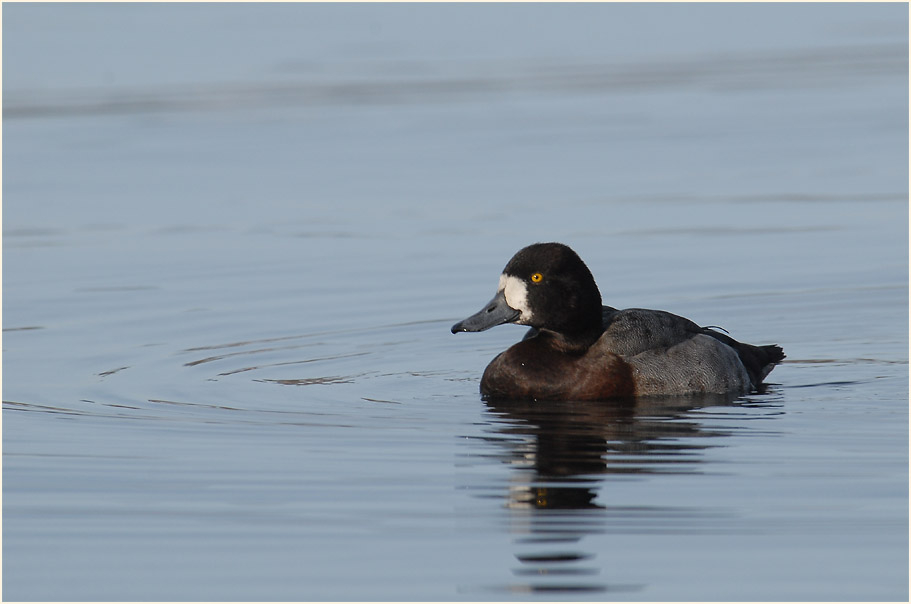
point(496, 312)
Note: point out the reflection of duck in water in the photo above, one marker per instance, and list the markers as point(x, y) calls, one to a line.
point(569, 444)
point(581, 350)
point(560, 453)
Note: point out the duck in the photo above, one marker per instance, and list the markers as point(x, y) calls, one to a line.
point(579, 349)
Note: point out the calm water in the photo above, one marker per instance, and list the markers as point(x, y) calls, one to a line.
point(235, 237)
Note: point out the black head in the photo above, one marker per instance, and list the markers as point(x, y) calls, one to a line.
point(547, 286)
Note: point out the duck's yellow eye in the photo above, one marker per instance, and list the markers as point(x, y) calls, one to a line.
point(537, 278)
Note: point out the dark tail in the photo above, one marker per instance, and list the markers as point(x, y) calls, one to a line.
point(759, 361)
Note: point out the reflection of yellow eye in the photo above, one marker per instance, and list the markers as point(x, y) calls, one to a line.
point(537, 278)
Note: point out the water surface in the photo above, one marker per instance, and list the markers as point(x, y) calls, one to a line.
point(235, 238)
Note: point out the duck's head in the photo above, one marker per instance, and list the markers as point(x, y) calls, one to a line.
point(546, 286)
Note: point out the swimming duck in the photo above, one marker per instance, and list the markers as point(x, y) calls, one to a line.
point(578, 349)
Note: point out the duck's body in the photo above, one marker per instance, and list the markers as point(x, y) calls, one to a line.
point(580, 350)
point(640, 353)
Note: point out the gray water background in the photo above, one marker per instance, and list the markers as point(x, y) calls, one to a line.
point(235, 237)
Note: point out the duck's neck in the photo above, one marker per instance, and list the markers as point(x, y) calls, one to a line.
point(575, 343)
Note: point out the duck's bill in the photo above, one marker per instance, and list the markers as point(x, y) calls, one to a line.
point(496, 312)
